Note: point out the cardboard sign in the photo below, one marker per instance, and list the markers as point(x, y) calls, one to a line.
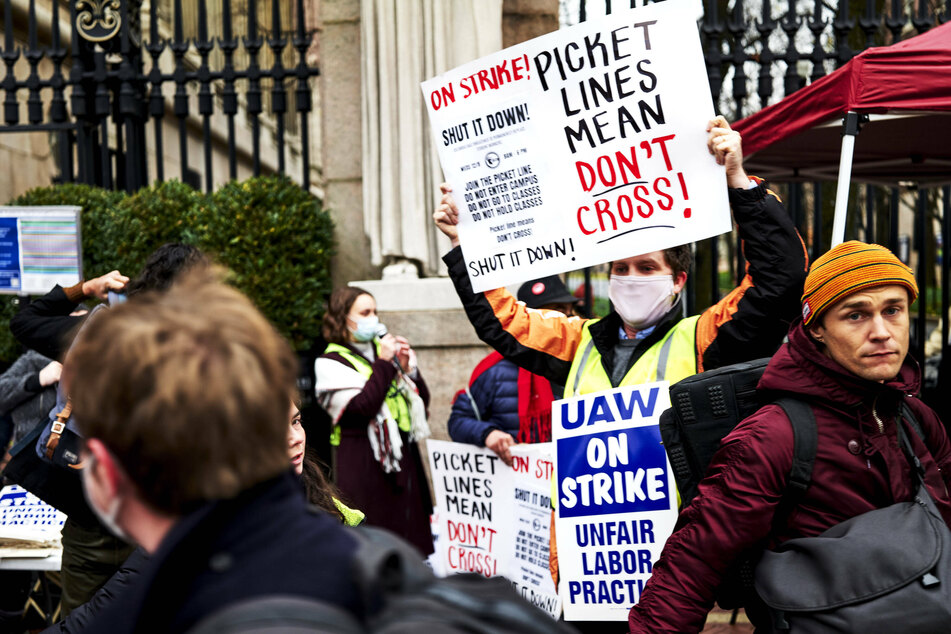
point(493, 519)
point(581, 146)
point(617, 500)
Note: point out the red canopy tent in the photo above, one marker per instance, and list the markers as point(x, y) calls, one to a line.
point(905, 89)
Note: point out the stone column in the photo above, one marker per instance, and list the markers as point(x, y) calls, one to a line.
point(341, 137)
point(425, 311)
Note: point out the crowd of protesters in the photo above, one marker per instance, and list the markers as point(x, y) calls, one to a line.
point(201, 493)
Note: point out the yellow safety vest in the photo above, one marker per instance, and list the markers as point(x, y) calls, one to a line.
point(671, 359)
point(395, 401)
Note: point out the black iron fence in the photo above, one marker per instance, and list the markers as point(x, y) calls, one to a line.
point(111, 80)
point(758, 51)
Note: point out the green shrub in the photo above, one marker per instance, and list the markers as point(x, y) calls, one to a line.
point(9, 348)
point(278, 242)
point(274, 236)
point(151, 217)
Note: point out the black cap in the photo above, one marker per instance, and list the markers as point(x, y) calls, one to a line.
point(545, 291)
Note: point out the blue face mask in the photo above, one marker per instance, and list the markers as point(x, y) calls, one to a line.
point(367, 328)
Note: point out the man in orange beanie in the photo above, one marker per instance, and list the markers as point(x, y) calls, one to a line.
point(846, 359)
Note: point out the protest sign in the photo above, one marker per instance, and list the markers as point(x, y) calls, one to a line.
point(581, 146)
point(617, 500)
point(493, 519)
point(29, 527)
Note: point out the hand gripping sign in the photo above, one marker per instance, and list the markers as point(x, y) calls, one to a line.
point(581, 146)
point(616, 498)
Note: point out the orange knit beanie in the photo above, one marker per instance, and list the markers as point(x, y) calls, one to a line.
point(847, 268)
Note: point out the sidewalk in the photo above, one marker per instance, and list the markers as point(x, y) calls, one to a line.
point(718, 622)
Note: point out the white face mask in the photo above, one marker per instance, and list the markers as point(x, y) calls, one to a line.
point(108, 517)
point(641, 300)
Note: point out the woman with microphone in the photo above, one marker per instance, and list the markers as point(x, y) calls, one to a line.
point(368, 382)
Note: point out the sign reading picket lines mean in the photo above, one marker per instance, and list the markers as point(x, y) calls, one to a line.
point(581, 146)
point(617, 500)
point(493, 519)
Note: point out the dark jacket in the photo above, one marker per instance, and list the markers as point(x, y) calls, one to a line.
point(495, 394)
point(45, 324)
point(264, 542)
point(857, 469)
point(399, 502)
point(112, 591)
point(749, 323)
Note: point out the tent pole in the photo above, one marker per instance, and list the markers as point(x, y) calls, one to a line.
point(851, 125)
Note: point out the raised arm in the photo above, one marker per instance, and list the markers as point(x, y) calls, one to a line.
point(751, 321)
point(542, 342)
point(45, 324)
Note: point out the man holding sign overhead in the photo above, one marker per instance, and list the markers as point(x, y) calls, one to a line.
point(645, 337)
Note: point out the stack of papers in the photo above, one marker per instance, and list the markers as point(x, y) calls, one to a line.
point(29, 527)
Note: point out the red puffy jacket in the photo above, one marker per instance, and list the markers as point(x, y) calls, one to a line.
point(858, 468)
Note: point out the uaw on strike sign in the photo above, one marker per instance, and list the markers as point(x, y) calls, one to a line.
point(584, 145)
point(616, 498)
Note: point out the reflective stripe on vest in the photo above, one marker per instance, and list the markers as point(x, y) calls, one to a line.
point(395, 402)
point(671, 359)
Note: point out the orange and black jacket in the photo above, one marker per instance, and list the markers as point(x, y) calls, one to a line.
point(749, 323)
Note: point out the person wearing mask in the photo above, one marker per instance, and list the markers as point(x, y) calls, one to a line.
point(185, 424)
point(320, 493)
point(368, 382)
point(646, 336)
point(504, 404)
point(48, 324)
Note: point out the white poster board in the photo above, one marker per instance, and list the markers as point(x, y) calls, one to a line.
point(40, 247)
point(29, 527)
point(617, 499)
point(493, 519)
point(581, 146)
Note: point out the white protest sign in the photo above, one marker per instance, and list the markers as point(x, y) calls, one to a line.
point(23, 516)
point(532, 468)
point(617, 500)
point(494, 519)
point(581, 146)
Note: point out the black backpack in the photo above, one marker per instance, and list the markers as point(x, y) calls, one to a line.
point(402, 596)
point(706, 407)
point(414, 601)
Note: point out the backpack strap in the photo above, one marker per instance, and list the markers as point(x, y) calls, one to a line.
point(909, 416)
point(805, 445)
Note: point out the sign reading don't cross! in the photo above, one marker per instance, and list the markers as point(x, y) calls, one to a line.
point(616, 498)
point(581, 146)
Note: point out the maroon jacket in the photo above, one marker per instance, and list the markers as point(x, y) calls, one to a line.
point(857, 469)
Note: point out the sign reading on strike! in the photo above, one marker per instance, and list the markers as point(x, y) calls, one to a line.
point(617, 501)
point(581, 146)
